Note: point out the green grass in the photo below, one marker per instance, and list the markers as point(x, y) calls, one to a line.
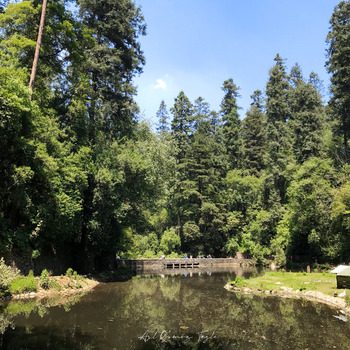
point(24, 284)
point(321, 282)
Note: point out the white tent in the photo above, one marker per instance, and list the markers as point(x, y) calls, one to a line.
point(339, 268)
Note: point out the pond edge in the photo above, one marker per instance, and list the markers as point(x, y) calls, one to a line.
point(335, 302)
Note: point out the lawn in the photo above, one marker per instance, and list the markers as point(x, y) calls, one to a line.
point(321, 282)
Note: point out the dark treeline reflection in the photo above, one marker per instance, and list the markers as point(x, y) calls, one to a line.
point(176, 312)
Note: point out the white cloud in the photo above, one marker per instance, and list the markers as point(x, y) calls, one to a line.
point(161, 84)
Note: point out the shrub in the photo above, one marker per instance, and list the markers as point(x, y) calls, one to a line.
point(24, 284)
point(74, 277)
point(6, 276)
point(69, 272)
point(174, 255)
point(170, 241)
point(238, 282)
point(45, 282)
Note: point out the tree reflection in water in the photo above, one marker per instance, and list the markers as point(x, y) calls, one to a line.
point(178, 312)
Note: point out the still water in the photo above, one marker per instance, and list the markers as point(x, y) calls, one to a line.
point(190, 310)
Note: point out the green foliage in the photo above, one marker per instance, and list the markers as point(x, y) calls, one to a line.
point(338, 65)
point(24, 284)
point(239, 282)
point(35, 254)
point(162, 116)
point(340, 221)
point(69, 272)
point(74, 277)
point(310, 198)
point(170, 241)
point(307, 119)
point(142, 246)
point(79, 169)
point(6, 276)
point(231, 124)
point(254, 136)
point(44, 279)
point(279, 137)
point(232, 246)
point(182, 123)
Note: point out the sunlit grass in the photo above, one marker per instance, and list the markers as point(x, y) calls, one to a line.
point(23, 284)
point(321, 282)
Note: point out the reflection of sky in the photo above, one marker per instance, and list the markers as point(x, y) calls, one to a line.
point(117, 315)
point(139, 313)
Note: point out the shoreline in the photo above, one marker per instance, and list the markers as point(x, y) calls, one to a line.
point(335, 302)
point(42, 293)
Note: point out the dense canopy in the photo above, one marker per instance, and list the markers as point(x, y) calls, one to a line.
point(81, 173)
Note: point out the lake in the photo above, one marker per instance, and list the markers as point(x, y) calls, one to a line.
point(188, 310)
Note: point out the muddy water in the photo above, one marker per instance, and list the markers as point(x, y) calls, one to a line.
point(190, 310)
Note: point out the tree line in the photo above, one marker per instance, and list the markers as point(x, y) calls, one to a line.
point(79, 169)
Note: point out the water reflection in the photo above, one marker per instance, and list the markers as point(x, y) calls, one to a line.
point(174, 311)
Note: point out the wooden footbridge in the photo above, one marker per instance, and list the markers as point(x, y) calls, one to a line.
point(142, 265)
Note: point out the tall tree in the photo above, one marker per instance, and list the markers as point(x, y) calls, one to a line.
point(181, 131)
point(38, 46)
point(338, 65)
point(307, 117)
point(203, 212)
point(279, 138)
point(162, 116)
point(182, 123)
point(111, 63)
point(231, 123)
point(309, 220)
point(254, 135)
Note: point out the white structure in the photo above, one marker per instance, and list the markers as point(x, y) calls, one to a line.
point(339, 268)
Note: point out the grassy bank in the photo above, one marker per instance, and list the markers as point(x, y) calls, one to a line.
point(15, 285)
point(320, 287)
point(302, 281)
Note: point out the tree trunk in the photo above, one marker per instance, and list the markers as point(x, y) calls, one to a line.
point(37, 48)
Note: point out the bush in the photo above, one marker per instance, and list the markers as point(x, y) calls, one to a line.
point(74, 277)
point(69, 273)
point(174, 255)
point(170, 241)
point(6, 276)
point(149, 254)
point(45, 282)
point(24, 284)
point(238, 282)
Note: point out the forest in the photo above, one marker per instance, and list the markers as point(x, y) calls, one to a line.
point(79, 168)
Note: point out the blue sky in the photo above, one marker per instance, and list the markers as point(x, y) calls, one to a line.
point(194, 45)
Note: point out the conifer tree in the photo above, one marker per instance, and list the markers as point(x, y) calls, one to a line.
point(254, 135)
point(203, 211)
point(338, 65)
point(231, 124)
point(111, 63)
point(162, 116)
point(181, 131)
point(182, 123)
point(307, 117)
point(279, 138)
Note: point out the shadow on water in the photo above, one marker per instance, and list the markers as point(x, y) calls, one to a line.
point(187, 311)
point(27, 338)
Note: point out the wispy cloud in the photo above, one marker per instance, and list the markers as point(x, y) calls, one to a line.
point(161, 84)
